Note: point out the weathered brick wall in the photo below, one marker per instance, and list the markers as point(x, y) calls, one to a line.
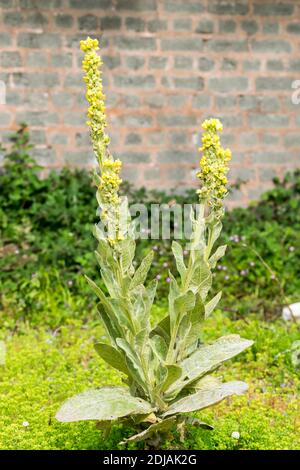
point(168, 65)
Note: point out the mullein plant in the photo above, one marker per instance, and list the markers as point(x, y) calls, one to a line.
point(166, 370)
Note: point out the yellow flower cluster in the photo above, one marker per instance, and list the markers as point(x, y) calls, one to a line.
point(96, 113)
point(109, 181)
point(213, 165)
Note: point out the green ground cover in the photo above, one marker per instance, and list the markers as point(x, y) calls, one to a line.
point(43, 367)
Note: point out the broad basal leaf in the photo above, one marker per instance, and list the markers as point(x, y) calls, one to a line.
point(102, 404)
point(206, 397)
point(209, 357)
point(208, 381)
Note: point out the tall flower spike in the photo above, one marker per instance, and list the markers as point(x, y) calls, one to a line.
point(109, 180)
point(165, 365)
point(213, 165)
point(96, 113)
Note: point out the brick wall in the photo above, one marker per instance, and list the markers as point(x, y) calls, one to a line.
point(168, 65)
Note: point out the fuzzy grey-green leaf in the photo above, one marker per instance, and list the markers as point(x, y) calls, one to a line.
point(102, 404)
point(211, 305)
point(218, 254)
point(206, 397)
point(209, 357)
point(163, 329)
point(127, 249)
point(142, 271)
point(174, 373)
point(178, 255)
point(112, 356)
point(133, 362)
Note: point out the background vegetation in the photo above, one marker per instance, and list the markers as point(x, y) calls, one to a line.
point(46, 241)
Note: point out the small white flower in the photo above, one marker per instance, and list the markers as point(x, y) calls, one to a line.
point(235, 435)
point(25, 424)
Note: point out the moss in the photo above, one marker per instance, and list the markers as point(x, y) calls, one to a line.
point(44, 367)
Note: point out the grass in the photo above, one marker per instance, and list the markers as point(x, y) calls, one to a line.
point(44, 367)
